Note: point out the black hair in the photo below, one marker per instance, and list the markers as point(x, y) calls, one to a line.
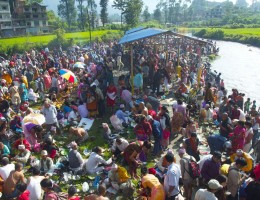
point(46, 183)
point(35, 171)
point(169, 157)
point(241, 161)
point(5, 161)
point(221, 178)
point(21, 187)
point(147, 144)
point(193, 134)
point(179, 101)
point(96, 149)
point(144, 170)
point(72, 190)
point(38, 128)
point(165, 109)
point(217, 154)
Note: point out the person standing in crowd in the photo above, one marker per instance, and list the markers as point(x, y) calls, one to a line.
point(157, 135)
point(50, 113)
point(235, 178)
point(111, 96)
point(171, 179)
point(188, 181)
point(211, 167)
point(191, 145)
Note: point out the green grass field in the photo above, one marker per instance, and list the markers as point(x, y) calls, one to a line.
point(45, 39)
point(228, 31)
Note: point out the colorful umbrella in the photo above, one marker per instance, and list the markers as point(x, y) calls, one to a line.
point(68, 75)
point(79, 65)
point(38, 119)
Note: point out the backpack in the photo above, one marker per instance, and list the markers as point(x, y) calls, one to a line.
point(194, 169)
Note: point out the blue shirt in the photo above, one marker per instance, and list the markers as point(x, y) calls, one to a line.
point(156, 129)
point(121, 115)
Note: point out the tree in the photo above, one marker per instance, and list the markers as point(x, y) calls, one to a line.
point(67, 11)
point(31, 1)
point(146, 14)
point(133, 12)
point(241, 3)
point(120, 5)
point(103, 12)
point(157, 15)
point(81, 15)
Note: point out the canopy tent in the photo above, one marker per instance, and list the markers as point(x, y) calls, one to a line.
point(160, 36)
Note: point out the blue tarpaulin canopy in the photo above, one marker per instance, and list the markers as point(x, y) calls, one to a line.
point(138, 34)
point(134, 30)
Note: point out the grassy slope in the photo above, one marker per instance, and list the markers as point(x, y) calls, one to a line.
point(44, 39)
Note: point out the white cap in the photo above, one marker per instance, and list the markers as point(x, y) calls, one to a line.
point(21, 147)
point(149, 117)
point(44, 153)
point(122, 106)
point(214, 184)
point(114, 167)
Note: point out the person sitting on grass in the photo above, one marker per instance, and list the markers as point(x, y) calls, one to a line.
point(75, 159)
point(92, 165)
point(46, 163)
point(23, 155)
point(119, 145)
point(80, 133)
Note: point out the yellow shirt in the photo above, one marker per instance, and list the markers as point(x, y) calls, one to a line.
point(122, 173)
point(224, 169)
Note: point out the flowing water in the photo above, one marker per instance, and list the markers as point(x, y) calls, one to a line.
point(239, 65)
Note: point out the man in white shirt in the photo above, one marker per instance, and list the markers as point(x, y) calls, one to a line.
point(50, 113)
point(171, 179)
point(6, 168)
point(95, 159)
point(208, 194)
point(119, 146)
point(73, 117)
point(209, 113)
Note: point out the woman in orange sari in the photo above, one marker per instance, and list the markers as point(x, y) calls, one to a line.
point(151, 184)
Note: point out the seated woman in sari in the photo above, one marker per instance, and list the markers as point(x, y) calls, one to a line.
point(143, 129)
point(151, 186)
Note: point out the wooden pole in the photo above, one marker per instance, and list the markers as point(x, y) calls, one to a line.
point(132, 69)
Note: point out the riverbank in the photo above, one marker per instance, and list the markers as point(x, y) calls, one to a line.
point(249, 36)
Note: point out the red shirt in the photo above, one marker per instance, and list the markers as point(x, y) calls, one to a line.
point(24, 196)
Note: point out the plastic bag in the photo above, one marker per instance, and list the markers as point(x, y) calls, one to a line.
point(116, 123)
point(85, 187)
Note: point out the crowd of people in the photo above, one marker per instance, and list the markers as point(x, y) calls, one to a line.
point(39, 106)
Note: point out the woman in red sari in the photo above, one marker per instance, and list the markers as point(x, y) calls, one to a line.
point(111, 95)
point(238, 137)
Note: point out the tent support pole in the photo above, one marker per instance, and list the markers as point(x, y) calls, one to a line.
point(132, 69)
